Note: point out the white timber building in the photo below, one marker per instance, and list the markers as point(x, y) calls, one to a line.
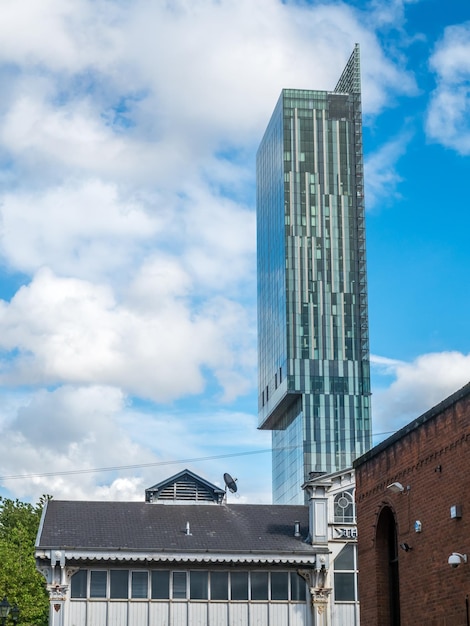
point(187, 557)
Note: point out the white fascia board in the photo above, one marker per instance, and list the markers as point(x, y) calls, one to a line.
point(179, 557)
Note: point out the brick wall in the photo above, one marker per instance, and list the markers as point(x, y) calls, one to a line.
point(431, 456)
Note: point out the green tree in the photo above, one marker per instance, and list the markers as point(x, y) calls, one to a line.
point(19, 579)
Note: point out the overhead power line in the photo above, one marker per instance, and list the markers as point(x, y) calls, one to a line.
point(116, 468)
point(126, 467)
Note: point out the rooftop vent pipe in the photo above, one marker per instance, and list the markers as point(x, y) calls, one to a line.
point(296, 529)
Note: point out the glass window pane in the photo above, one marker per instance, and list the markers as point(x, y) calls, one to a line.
point(179, 585)
point(219, 585)
point(345, 559)
point(78, 584)
point(98, 582)
point(344, 587)
point(259, 585)
point(160, 585)
point(239, 585)
point(140, 584)
point(344, 508)
point(279, 585)
point(119, 584)
point(297, 588)
point(198, 585)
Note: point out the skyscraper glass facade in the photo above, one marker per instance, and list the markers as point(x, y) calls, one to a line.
point(314, 380)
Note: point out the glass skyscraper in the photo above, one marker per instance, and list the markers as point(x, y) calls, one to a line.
point(313, 352)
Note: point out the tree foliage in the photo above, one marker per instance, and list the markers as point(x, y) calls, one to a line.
point(19, 579)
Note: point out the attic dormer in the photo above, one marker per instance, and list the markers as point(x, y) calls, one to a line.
point(184, 488)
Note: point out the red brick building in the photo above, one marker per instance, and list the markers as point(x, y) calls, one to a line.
point(413, 513)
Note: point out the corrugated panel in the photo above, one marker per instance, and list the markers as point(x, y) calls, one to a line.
point(117, 614)
point(258, 614)
point(345, 614)
point(279, 614)
point(159, 614)
point(97, 613)
point(197, 614)
point(138, 613)
point(238, 615)
point(298, 615)
point(179, 614)
point(218, 614)
point(78, 611)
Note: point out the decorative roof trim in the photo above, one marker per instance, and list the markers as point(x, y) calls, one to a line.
point(121, 556)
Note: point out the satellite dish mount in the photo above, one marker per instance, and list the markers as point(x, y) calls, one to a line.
point(230, 484)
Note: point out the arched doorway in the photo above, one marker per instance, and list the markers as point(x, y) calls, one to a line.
point(388, 591)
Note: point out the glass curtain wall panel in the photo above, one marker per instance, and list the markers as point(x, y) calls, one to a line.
point(313, 350)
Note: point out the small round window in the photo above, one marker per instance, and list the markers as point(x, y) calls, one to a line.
point(343, 502)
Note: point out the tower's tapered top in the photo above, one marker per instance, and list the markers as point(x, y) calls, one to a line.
point(350, 81)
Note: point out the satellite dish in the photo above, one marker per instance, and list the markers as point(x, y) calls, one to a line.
point(230, 483)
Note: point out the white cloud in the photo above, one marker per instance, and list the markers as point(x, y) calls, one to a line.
point(381, 175)
point(448, 113)
point(66, 430)
point(221, 230)
point(59, 439)
point(157, 283)
point(72, 134)
point(127, 139)
point(82, 228)
point(261, 48)
point(134, 66)
point(87, 412)
point(416, 387)
point(58, 35)
point(391, 13)
point(68, 330)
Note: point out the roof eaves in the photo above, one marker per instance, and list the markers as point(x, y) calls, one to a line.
point(91, 556)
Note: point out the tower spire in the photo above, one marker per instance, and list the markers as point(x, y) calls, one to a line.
point(350, 80)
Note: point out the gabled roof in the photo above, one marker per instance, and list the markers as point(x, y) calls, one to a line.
point(332, 482)
point(185, 487)
point(129, 530)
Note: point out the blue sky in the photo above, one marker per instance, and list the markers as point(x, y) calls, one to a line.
point(128, 133)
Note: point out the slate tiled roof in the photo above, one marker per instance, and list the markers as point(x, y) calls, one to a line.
point(137, 526)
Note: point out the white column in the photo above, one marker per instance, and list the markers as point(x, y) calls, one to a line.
point(58, 586)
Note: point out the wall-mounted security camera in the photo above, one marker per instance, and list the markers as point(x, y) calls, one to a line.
point(456, 559)
point(406, 547)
